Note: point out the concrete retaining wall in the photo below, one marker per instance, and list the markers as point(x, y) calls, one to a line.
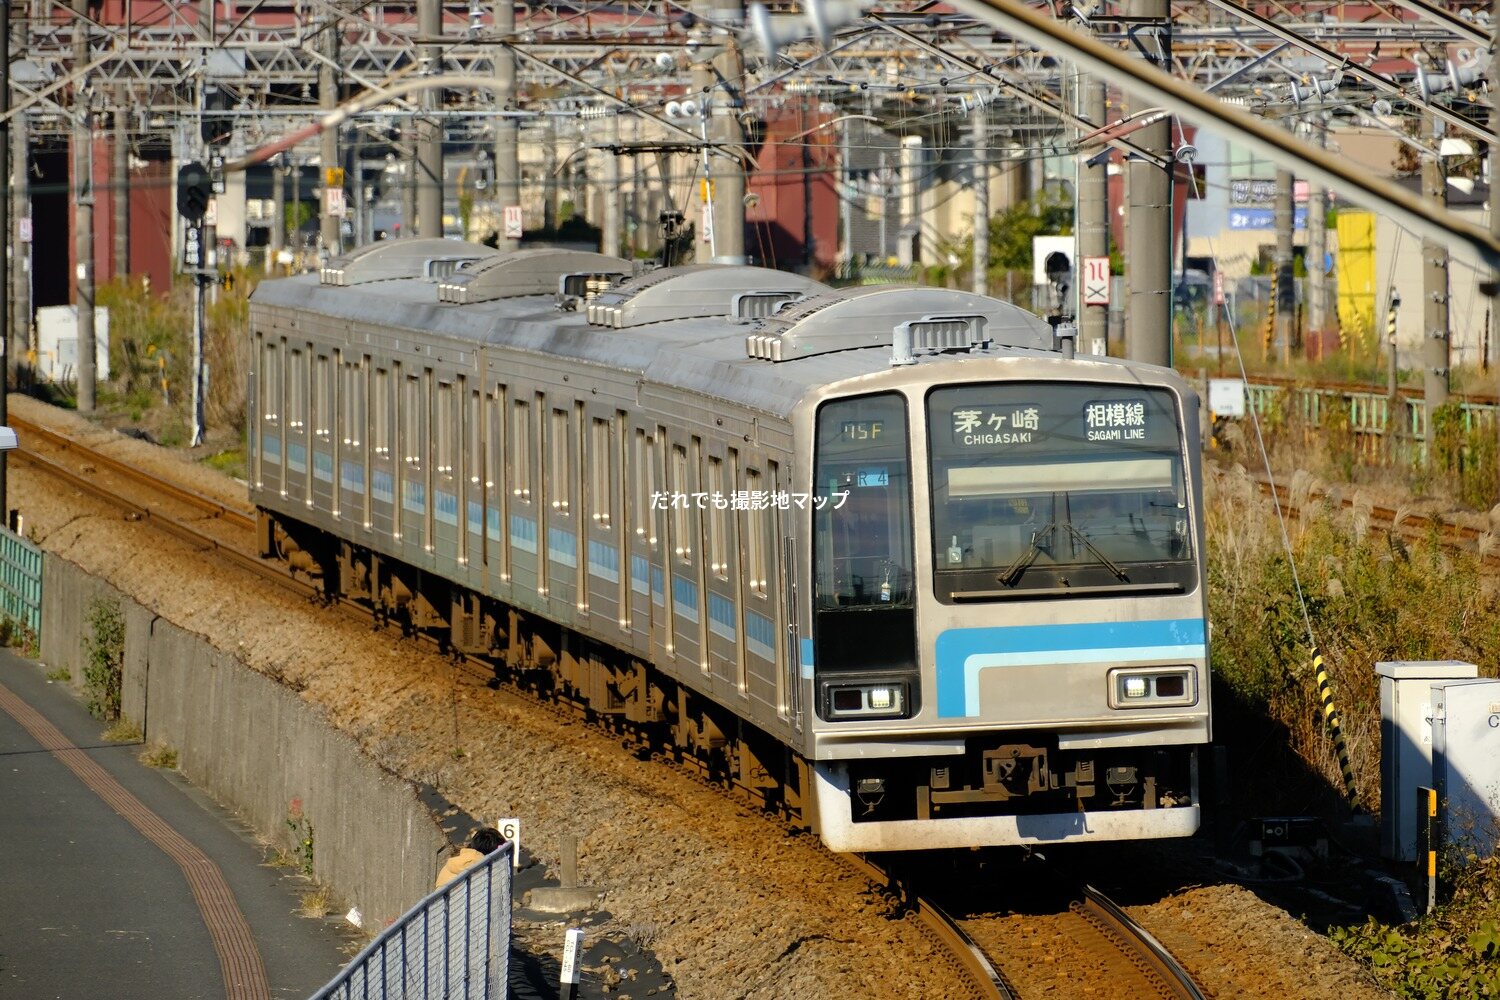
point(259, 748)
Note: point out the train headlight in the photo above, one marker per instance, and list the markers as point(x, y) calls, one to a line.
point(885, 700)
point(1153, 687)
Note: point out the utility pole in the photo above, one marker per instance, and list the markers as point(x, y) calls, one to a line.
point(328, 155)
point(981, 202)
point(1149, 231)
point(83, 213)
point(1318, 313)
point(1494, 309)
point(612, 223)
point(1093, 217)
point(429, 159)
point(278, 212)
point(120, 196)
point(725, 76)
point(7, 344)
point(549, 175)
point(507, 145)
point(20, 262)
point(1434, 299)
point(1285, 215)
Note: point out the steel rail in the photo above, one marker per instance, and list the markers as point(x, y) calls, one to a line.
point(988, 981)
point(1418, 214)
point(231, 516)
point(1100, 909)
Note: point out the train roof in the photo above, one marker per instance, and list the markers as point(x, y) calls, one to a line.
point(793, 335)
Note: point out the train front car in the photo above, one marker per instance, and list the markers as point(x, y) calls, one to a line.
point(1007, 638)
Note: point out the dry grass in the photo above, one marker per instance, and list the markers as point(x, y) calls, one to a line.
point(159, 755)
point(122, 731)
point(316, 903)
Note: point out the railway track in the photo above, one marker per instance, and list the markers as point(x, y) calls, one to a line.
point(1159, 974)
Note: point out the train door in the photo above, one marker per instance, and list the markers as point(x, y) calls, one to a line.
point(789, 650)
point(322, 493)
point(297, 486)
point(442, 518)
point(526, 573)
point(720, 568)
point(270, 474)
point(684, 556)
point(641, 538)
point(758, 600)
point(497, 491)
point(352, 444)
point(414, 438)
point(384, 459)
point(474, 479)
point(602, 519)
point(559, 558)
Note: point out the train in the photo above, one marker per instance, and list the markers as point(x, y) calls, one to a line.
point(889, 561)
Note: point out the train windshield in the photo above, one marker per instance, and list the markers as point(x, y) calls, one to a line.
point(1057, 489)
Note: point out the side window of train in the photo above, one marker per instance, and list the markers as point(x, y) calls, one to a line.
point(718, 559)
point(600, 470)
point(413, 440)
point(322, 392)
point(296, 400)
point(520, 452)
point(270, 397)
point(677, 487)
point(446, 429)
point(380, 426)
point(474, 449)
point(643, 484)
point(560, 463)
point(757, 522)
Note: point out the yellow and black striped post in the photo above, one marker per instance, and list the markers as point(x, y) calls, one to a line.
point(1427, 838)
point(1268, 336)
point(1331, 716)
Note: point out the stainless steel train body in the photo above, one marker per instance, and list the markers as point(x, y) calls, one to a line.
point(959, 582)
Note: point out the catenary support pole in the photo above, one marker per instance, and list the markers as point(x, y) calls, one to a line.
point(726, 131)
point(328, 147)
point(278, 216)
point(1434, 351)
point(429, 160)
point(507, 131)
point(1148, 331)
point(1285, 304)
point(83, 212)
point(20, 261)
point(981, 203)
point(1093, 217)
point(7, 342)
point(613, 219)
point(119, 196)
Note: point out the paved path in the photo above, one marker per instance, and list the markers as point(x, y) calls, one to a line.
point(122, 881)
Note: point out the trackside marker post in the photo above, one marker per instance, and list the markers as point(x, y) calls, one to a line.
point(571, 951)
point(510, 829)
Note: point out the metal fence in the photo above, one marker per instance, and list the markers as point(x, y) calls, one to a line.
point(20, 581)
point(1370, 412)
point(454, 944)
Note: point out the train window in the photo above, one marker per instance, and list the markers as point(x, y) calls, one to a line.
point(718, 559)
point(474, 450)
point(862, 536)
point(1039, 486)
point(380, 427)
point(296, 400)
point(322, 395)
point(413, 422)
point(677, 501)
point(447, 431)
point(600, 478)
point(640, 483)
point(561, 463)
point(756, 521)
point(520, 453)
point(270, 370)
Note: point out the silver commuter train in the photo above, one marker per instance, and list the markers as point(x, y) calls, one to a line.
point(882, 557)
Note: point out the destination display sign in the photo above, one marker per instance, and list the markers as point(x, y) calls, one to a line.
point(1018, 425)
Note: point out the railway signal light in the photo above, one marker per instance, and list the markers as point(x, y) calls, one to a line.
point(194, 188)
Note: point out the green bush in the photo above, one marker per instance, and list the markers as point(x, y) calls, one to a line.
point(104, 648)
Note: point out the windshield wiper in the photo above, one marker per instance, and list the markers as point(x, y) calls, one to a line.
point(1109, 563)
point(1025, 559)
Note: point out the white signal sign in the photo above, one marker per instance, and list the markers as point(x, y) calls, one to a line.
point(334, 203)
point(1096, 281)
point(513, 223)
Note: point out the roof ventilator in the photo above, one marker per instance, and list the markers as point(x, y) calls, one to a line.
point(755, 305)
point(532, 271)
point(390, 260)
point(698, 291)
point(935, 334)
point(582, 287)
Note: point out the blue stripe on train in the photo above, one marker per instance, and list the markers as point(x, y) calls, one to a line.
point(685, 598)
point(721, 616)
point(961, 654)
point(760, 636)
point(523, 533)
point(604, 561)
point(562, 547)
